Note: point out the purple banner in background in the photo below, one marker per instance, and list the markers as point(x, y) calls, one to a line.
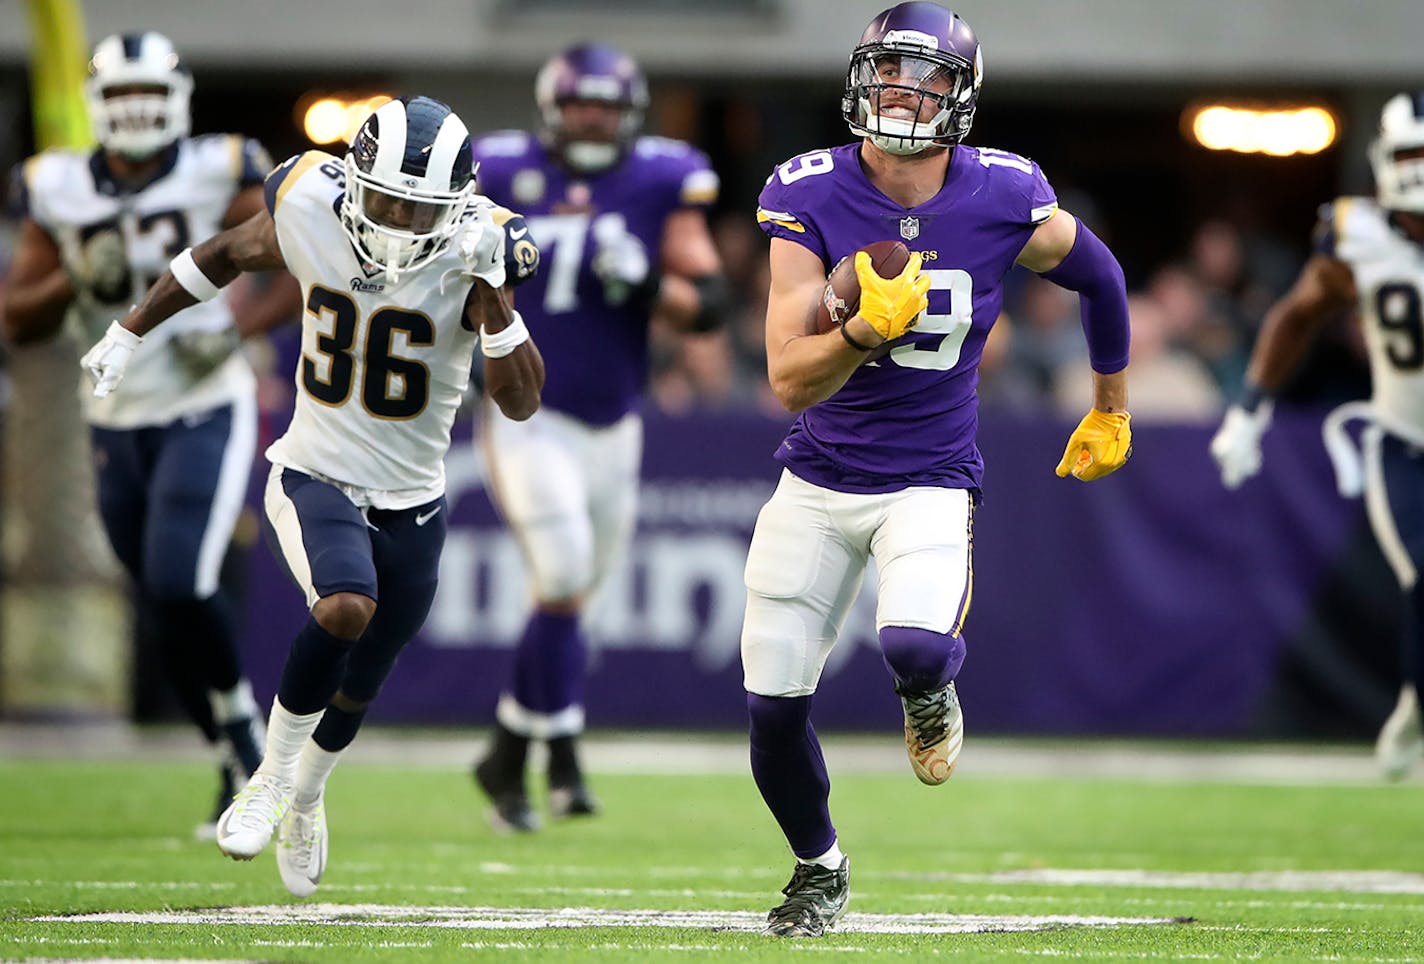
point(1149, 602)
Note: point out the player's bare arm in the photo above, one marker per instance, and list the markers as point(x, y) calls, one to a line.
point(281, 300)
point(805, 369)
point(251, 246)
point(693, 295)
point(39, 289)
point(515, 379)
point(1324, 289)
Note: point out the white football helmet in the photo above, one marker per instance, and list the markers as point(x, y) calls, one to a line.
point(138, 93)
point(410, 177)
point(1397, 154)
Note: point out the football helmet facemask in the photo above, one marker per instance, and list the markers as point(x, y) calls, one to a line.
point(597, 73)
point(409, 180)
point(137, 94)
point(912, 58)
point(1397, 154)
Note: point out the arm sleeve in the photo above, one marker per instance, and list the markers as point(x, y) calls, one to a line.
point(1091, 270)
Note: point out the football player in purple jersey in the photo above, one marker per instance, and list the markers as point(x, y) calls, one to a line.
point(620, 222)
point(172, 457)
point(881, 460)
point(1366, 260)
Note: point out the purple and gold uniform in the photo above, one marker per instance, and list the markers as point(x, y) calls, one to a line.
point(910, 417)
point(595, 351)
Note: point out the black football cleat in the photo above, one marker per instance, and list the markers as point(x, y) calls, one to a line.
point(815, 899)
point(574, 800)
point(510, 811)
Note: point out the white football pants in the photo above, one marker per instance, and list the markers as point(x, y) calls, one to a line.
point(569, 492)
point(807, 560)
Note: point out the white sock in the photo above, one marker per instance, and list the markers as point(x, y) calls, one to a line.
point(313, 769)
point(287, 733)
point(831, 859)
point(237, 703)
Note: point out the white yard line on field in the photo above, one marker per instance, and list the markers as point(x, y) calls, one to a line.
point(529, 918)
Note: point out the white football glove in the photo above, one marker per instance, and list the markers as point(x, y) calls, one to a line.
point(620, 260)
point(1236, 446)
point(481, 246)
point(107, 360)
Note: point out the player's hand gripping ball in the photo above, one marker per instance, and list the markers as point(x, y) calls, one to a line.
point(882, 283)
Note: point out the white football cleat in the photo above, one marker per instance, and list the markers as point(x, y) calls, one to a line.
point(301, 848)
point(934, 732)
point(247, 825)
point(1400, 744)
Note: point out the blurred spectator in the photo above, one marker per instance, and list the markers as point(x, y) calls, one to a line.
point(1047, 339)
point(1168, 384)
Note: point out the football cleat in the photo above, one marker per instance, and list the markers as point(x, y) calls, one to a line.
point(934, 732)
point(301, 848)
point(574, 800)
point(1401, 740)
point(510, 811)
point(815, 899)
point(248, 823)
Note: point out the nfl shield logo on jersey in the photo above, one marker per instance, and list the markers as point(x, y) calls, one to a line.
point(910, 228)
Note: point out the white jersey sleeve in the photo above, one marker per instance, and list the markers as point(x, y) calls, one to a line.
point(383, 366)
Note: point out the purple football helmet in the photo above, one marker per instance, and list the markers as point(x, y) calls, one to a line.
point(912, 54)
point(590, 72)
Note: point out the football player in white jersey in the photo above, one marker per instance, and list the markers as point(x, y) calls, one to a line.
point(173, 453)
point(403, 267)
point(1369, 256)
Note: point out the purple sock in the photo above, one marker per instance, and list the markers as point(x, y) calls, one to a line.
point(790, 771)
point(550, 663)
point(921, 660)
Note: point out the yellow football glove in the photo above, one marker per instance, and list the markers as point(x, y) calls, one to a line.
point(891, 305)
point(1099, 446)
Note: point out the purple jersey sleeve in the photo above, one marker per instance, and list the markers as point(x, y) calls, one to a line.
point(1017, 185)
point(789, 203)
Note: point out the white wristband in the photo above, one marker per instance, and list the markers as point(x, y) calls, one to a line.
point(187, 273)
point(501, 343)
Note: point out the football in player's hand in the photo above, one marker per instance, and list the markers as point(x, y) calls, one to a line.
point(841, 298)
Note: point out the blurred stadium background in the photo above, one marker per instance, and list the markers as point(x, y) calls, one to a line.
point(1153, 603)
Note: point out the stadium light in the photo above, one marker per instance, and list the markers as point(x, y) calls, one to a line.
point(1278, 132)
point(327, 120)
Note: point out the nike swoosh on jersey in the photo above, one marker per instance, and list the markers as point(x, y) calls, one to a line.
point(516, 235)
point(425, 517)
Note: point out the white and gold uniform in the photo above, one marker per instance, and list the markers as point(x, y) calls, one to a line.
point(74, 198)
point(1389, 277)
point(384, 365)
